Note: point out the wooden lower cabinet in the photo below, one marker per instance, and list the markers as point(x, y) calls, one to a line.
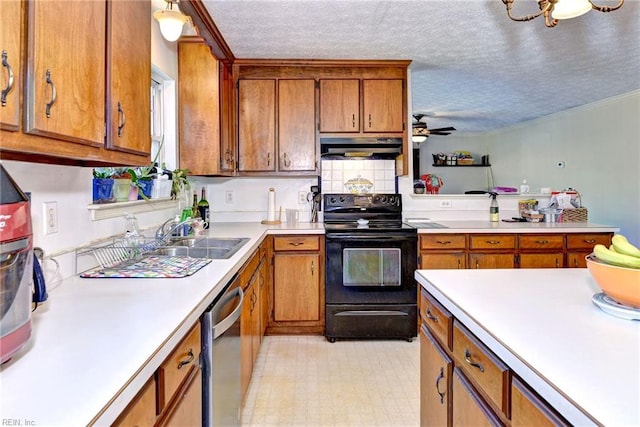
point(436, 368)
point(298, 284)
point(142, 411)
point(249, 332)
point(522, 250)
point(470, 409)
point(462, 383)
point(173, 396)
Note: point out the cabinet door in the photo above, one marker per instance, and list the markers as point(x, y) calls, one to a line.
point(296, 287)
point(492, 260)
point(142, 409)
point(199, 108)
point(227, 132)
point(542, 260)
point(576, 259)
point(246, 339)
point(469, 409)
point(339, 105)
point(436, 368)
point(447, 260)
point(187, 410)
point(129, 76)
point(296, 125)
point(383, 105)
point(257, 136)
point(65, 82)
point(10, 74)
point(527, 409)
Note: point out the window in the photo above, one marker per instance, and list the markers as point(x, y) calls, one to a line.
point(157, 120)
point(163, 118)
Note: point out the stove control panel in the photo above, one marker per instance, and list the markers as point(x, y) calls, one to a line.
point(362, 200)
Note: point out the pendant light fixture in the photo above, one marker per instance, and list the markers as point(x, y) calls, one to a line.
point(554, 10)
point(170, 20)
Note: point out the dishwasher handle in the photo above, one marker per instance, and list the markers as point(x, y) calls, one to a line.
point(222, 326)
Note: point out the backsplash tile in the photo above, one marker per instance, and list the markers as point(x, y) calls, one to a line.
point(336, 173)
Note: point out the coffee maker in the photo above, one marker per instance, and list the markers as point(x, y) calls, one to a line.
point(16, 267)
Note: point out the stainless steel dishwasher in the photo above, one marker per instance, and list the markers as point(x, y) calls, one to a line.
point(221, 358)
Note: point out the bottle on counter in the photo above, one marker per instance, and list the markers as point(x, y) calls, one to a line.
point(203, 208)
point(524, 187)
point(195, 213)
point(494, 215)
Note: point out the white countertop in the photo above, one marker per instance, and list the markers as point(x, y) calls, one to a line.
point(509, 227)
point(95, 342)
point(543, 324)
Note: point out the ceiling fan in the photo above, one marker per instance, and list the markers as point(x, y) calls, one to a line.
point(420, 128)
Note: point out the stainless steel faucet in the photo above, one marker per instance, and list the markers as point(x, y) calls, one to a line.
point(162, 234)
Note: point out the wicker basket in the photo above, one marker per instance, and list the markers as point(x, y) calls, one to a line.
point(574, 215)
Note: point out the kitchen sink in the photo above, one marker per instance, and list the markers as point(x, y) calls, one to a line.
point(203, 247)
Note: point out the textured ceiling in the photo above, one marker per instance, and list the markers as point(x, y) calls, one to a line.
point(473, 68)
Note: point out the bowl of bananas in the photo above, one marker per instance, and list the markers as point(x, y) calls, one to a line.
point(616, 270)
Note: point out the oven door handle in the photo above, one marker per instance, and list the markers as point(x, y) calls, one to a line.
point(371, 237)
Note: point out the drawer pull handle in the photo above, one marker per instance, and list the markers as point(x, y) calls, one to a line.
point(54, 94)
point(493, 242)
point(10, 81)
point(467, 358)
point(296, 243)
point(542, 242)
point(431, 316)
point(122, 119)
point(590, 241)
point(443, 242)
point(189, 360)
point(440, 377)
point(353, 121)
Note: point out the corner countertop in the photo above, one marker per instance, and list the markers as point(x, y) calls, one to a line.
point(474, 226)
point(95, 342)
point(543, 324)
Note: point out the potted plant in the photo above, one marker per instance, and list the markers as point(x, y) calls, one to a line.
point(180, 181)
point(102, 185)
point(142, 178)
point(123, 185)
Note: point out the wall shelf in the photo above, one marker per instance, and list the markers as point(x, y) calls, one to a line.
point(113, 210)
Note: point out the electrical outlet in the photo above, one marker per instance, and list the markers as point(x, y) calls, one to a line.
point(445, 204)
point(50, 217)
point(229, 197)
point(302, 197)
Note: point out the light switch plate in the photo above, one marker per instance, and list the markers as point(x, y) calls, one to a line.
point(50, 217)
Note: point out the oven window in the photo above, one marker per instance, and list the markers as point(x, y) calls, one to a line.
point(371, 267)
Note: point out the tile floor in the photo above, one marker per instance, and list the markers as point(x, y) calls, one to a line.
point(307, 381)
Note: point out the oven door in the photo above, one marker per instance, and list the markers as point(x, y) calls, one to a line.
point(371, 268)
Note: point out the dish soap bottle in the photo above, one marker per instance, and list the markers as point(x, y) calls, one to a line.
point(494, 215)
point(524, 187)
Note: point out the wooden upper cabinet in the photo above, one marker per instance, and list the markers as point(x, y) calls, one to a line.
point(256, 125)
point(339, 105)
point(129, 76)
point(65, 84)
point(10, 72)
point(296, 125)
point(383, 105)
point(199, 108)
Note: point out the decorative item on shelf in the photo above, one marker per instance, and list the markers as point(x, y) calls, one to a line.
point(102, 186)
point(554, 10)
point(433, 183)
point(464, 158)
point(418, 187)
point(179, 181)
point(439, 159)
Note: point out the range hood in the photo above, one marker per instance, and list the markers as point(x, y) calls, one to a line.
point(360, 148)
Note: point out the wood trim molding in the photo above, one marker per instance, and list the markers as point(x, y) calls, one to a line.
point(207, 30)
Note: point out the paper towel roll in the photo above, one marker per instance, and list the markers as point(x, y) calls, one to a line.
point(271, 207)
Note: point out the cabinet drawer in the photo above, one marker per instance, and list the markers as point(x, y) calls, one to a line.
point(296, 243)
point(443, 241)
point(482, 366)
point(178, 365)
point(249, 268)
point(541, 241)
point(492, 241)
point(587, 241)
point(437, 318)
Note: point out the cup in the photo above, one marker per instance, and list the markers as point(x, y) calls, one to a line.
point(198, 226)
point(292, 216)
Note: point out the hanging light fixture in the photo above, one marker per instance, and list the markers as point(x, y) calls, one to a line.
point(554, 10)
point(419, 135)
point(170, 20)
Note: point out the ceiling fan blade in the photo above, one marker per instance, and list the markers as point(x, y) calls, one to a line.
point(439, 133)
point(442, 129)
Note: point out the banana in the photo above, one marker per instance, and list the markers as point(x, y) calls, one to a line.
point(612, 249)
point(605, 255)
point(622, 246)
